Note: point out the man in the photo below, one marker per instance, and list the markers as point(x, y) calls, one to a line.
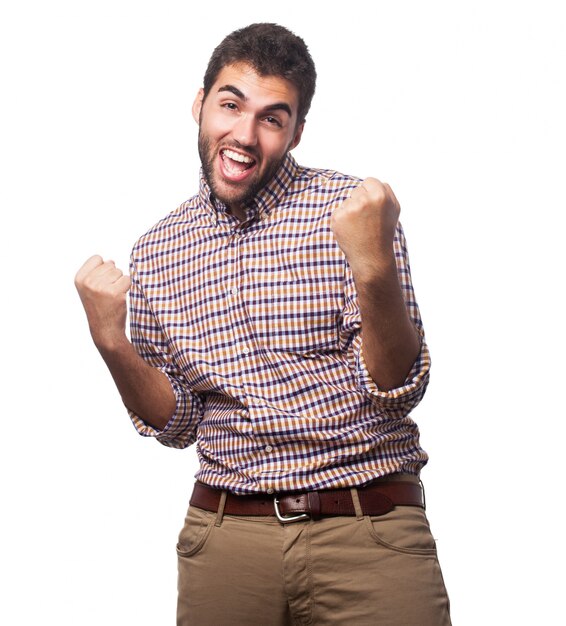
point(273, 322)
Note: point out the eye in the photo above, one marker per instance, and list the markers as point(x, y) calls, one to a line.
point(273, 121)
point(231, 106)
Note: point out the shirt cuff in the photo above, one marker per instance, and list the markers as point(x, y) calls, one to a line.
point(409, 394)
point(180, 430)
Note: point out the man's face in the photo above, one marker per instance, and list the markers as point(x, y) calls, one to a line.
point(247, 124)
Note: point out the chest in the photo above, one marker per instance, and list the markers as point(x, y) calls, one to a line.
point(279, 286)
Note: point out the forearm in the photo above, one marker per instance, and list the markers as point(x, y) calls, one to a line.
point(364, 227)
point(390, 341)
point(144, 389)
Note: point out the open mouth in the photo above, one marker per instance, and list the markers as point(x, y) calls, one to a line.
point(236, 166)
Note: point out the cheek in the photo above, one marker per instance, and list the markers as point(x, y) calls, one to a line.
point(274, 148)
point(214, 126)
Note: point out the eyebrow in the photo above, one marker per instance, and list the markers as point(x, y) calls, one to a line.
point(277, 106)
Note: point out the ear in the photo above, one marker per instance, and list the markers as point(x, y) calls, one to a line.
point(197, 105)
point(297, 138)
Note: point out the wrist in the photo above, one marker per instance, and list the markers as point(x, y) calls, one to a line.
point(374, 271)
point(110, 342)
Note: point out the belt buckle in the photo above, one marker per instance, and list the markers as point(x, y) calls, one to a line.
point(288, 518)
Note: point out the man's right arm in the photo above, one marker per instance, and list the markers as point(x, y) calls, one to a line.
point(144, 389)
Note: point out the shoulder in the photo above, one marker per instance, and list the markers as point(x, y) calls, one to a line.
point(168, 232)
point(324, 183)
point(324, 178)
point(320, 188)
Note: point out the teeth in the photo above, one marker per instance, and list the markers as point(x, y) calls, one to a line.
point(236, 156)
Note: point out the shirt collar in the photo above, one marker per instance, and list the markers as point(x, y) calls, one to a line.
point(264, 202)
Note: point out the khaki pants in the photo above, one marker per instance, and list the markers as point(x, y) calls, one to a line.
point(356, 571)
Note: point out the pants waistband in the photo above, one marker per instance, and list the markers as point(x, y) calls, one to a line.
point(376, 498)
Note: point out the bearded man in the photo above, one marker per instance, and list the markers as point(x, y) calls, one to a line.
point(273, 322)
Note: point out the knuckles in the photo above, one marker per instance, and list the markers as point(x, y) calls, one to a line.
point(371, 193)
point(99, 278)
point(371, 208)
point(376, 192)
point(371, 200)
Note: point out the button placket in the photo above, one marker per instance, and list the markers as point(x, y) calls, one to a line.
point(232, 291)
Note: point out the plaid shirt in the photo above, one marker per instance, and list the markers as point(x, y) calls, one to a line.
point(257, 326)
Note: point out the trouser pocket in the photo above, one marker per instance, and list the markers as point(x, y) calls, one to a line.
point(195, 532)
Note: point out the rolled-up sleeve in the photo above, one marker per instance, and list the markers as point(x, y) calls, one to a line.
point(152, 345)
point(400, 401)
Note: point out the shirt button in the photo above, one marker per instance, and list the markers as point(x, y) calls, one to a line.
point(270, 490)
point(269, 448)
point(234, 291)
point(245, 350)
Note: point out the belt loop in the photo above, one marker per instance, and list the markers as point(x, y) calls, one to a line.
point(357, 505)
point(424, 494)
point(221, 505)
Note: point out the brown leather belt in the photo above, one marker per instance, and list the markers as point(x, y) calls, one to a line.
point(375, 498)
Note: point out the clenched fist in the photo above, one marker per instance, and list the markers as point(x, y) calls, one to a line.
point(102, 288)
point(364, 226)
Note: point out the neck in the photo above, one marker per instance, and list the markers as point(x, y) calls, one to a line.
point(239, 211)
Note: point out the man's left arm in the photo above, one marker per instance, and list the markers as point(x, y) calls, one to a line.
point(364, 228)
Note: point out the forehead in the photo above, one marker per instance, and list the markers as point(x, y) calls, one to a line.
point(259, 90)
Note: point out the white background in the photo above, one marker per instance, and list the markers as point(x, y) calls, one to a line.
point(458, 105)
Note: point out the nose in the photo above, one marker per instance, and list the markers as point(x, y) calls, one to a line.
point(245, 131)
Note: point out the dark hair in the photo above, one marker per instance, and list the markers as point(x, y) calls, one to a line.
point(271, 50)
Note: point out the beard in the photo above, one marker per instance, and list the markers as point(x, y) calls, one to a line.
point(237, 193)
